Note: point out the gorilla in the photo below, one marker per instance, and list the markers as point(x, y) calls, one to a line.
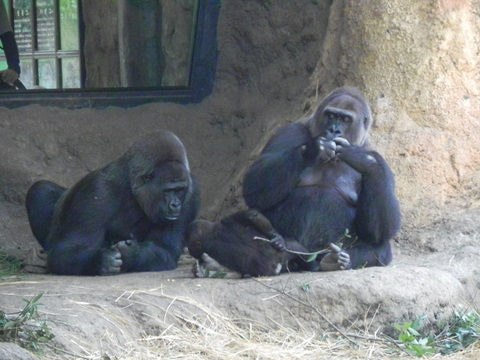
point(230, 245)
point(128, 216)
point(318, 182)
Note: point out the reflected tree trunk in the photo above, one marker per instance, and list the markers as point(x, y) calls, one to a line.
point(140, 45)
point(178, 28)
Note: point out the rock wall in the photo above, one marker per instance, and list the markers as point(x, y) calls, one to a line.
point(417, 62)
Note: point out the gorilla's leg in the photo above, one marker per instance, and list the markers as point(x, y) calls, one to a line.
point(41, 199)
point(210, 266)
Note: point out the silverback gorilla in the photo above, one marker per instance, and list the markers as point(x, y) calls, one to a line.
point(317, 179)
point(129, 216)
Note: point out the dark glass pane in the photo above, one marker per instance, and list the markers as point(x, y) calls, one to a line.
point(23, 25)
point(70, 73)
point(46, 73)
point(45, 25)
point(69, 39)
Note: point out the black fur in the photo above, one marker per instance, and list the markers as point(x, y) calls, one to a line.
point(313, 186)
point(129, 216)
point(231, 242)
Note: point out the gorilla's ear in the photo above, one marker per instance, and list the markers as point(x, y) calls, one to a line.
point(365, 122)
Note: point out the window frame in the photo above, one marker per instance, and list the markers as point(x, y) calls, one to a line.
point(202, 72)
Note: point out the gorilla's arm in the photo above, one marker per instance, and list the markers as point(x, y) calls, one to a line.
point(378, 212)
point(276, 172)
point(72, 256)
point(160, 251)
point(77, 244)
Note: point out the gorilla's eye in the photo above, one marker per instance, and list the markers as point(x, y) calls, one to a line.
point(347, 120)
point(147, 178)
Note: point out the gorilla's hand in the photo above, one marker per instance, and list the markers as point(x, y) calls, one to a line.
point(111, 262)
point(356, 157)
point(278, 242)
point(209, 267)
point(336, 260)
point(326, 149)
point(128, 250)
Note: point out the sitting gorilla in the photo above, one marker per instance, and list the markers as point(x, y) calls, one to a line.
point(317, 179)
point(129, 216)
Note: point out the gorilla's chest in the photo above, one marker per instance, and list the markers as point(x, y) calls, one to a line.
point(333, 177)
point(128, 227)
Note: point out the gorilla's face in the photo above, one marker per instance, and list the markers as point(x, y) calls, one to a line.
point(162, 190)
point(344, 117)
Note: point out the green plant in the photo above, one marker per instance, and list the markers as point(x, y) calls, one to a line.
point(9, 265)
point(413, 341)
point(24, 328)
point(462, 331)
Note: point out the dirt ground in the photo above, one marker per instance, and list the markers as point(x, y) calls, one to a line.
point(270, 61)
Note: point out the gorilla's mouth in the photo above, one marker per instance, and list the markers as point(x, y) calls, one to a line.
point(164, 214)
point(157, 212)
point(171, 217)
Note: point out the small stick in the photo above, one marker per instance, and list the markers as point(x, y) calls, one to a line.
point(325, 251)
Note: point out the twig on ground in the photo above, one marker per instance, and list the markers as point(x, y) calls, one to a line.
point(346, 336)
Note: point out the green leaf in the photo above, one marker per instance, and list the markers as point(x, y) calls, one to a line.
point(9, 325)
point(414, 332)
point(311, 258)
point(218, 275)
point(306, 287)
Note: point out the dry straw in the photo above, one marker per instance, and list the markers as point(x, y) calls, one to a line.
point(191, 330)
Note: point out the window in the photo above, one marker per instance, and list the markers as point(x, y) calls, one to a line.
point(125, 52)
point(47, 35)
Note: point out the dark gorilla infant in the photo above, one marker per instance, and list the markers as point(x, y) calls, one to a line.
point(244, 243)
point(129, 216)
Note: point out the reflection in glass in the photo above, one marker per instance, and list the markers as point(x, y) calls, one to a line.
point(45, 25)
point(178, 30)
point(46, 73)
point(26, 66)
point(70, 71)
point(23, 25)
point(69, 39)
point(144, 43)
point(125, 43)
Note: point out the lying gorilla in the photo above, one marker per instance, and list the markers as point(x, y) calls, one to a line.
point(318, 179)
point(129, 216)
point(246, 244)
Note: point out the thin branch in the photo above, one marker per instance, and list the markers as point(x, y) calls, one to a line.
point(66, 352)
point(336, 328)
point(325, 251)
